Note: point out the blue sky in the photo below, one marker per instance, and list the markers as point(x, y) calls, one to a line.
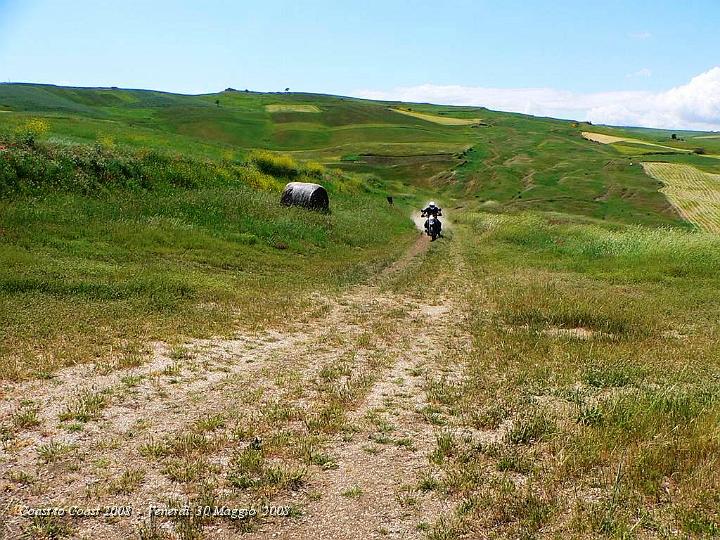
point(372, 48)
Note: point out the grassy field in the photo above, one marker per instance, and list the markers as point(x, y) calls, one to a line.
point(280, 107)
point(548, 369)
point(104, 251)
point(590, 402)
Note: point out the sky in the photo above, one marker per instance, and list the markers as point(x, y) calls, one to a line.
point(633, 62)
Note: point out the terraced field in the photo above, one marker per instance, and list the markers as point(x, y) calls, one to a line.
point(696, 194)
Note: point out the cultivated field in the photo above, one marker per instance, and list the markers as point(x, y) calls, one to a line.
point(284, 107)
point(696, 194)
point(443, 120)
point(612, 139)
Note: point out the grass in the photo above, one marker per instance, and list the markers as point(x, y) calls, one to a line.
point(613, 432)
point(53, 451)
point(87, 406)
point(587, 402)
point(249, 469)
point(127, 482)
point(25, 418)
point(50, 527)
point(512, 161)
point(531, 429)
point(95, 264)
point(353, 492)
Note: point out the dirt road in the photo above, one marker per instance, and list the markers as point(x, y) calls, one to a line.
point(330, 418)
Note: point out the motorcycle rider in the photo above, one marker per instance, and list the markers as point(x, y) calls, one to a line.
point(432, 210)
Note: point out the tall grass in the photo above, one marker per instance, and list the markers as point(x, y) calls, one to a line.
point(636, 252)
point(597, 355)
point(30, 167)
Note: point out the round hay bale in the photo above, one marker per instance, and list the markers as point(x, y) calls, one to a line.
point(305, 194)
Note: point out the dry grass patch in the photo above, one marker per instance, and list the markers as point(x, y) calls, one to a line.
point(444, 120)
point(696, 194)
point(291, 107)
point(612, 139)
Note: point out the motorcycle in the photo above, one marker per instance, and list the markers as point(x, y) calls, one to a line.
point(432, 227)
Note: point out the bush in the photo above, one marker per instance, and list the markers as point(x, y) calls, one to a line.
point(31, 168)
point(274, 164)
point(284, 166)
point(32, 130)
point(316, 170)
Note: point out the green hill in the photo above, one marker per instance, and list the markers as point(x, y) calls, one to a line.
point(500, 160)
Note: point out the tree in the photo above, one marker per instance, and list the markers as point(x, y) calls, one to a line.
point(287, 89)
point(674, 137)
point(217, 102)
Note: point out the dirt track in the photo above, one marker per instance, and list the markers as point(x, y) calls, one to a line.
point(388, 339)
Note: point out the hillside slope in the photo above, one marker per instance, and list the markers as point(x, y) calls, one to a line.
point(500, 160)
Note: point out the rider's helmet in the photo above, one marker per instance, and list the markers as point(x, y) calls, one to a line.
point(431, 204)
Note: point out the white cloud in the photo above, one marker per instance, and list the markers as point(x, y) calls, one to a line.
point(695, 105)
point(640, 35)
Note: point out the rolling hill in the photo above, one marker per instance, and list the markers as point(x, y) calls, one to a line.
point(497, 159)
point(169, 332)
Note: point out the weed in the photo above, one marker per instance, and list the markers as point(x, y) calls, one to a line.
point(127, 482)
point(353, 492)
point(151, 530)
point(530, 429)
point(172, 370)
point(49, 527)
point(210, 423)
point(185, 469)
point(21, 477)
point(25, 418)
point(513, 460)
point(87, 406)
point(433, 415)
point(427, 482)
point(446, 447)
point(132, 381)
point(153, 449)
point(330, 418)
point(405, 442)
point(53, 451)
